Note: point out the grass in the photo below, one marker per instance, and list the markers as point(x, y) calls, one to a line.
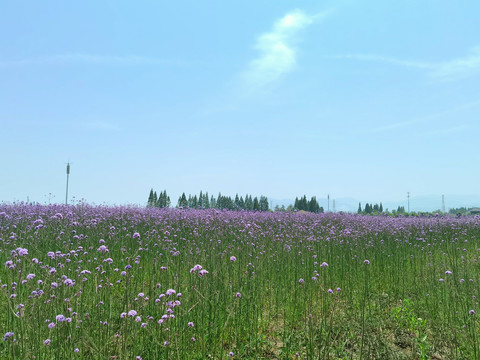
point(264, 295)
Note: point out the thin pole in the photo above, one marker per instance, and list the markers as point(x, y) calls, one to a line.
point(66, 193)
point(408, 198)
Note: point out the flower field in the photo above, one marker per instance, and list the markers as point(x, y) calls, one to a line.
point(82, 282)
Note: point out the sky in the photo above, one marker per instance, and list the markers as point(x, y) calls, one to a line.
point(361, 99)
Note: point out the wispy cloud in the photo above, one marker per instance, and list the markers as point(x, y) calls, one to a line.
point(426, 118)
point(278, 54)
point(447, 131)
point(442, 70)
point(93, 59)
point(459, 67)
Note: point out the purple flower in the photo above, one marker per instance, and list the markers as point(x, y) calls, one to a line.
point(338, 289)
point(190, 324)
point(136, 235)
point(202, 272)
point(233, 258)
point(69, 282)
point(230, 353)
point(47, 342)
point(51, 325)
point(366, 262)
point(330, 291)
point(132, 313)
point(60, 318)
point(123, 315)
point(22, 252)
point(238, 295)
point(170, 292)
point(472, 312)
point(76, 350)
point(448, 272)
point(102, 248)
point(301, 281)
point(323, 264)
point(7, 335)
point(30, 276)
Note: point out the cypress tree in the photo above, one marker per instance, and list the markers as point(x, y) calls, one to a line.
point(242, 203)
point(206, 202)
point(182, 201)
point(256, 205)
point(150, 199)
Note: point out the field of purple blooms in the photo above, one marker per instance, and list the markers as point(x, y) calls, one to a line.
point(83, 282)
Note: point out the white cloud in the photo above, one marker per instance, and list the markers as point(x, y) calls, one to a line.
point(442, 70)
point(277, 51)
point(459, 67)
point(447, 113)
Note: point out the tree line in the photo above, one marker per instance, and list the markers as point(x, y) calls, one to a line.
point(370, 208)
point(310, 205)
point(204, 201)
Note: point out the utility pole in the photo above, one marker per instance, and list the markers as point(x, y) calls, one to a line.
point(333, 205)
point(408, 199)
point(328, 203)
point(68, 174)
point(443, 203)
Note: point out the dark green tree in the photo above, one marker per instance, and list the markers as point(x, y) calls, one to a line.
point(150, 202)
point(256, 205)
point(182, 201)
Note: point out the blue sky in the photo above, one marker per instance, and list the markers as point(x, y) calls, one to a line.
point(363, 99)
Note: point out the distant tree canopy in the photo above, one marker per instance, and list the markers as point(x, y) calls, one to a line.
point(203, 201)
point(370, 208)
point(310, 205)
point(160, 201)
point(461, 210)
